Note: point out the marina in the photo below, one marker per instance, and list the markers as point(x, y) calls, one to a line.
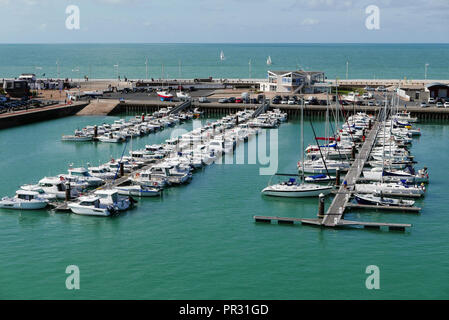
point(372, 135)
point(165, 199)
point(155, 167)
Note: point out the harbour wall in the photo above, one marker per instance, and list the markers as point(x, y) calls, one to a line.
point(211, 109)
point(48, 113)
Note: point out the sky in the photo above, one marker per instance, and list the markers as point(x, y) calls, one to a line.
point(226, 21)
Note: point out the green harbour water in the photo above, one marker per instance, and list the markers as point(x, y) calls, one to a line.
point(199, 241)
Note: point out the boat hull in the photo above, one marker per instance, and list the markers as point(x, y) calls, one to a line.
point(28, 205)
point(296, 194)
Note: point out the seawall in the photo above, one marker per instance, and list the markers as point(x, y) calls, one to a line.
point(35, 115)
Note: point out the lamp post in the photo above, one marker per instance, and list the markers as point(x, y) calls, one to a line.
point(57, 68)
point(117, 66)
point(77, 70)
point(425, 71)
point(347, 69)
point(146, 69)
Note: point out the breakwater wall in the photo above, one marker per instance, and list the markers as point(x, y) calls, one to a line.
point(25, 117)
point(211, 109)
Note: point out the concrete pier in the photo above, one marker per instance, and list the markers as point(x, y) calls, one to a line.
point(18, 118)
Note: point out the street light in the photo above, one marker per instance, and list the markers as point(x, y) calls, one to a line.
point(347, 69)
point(117, 66)
point(77, 69)
point(57, 68)
point(146, 68)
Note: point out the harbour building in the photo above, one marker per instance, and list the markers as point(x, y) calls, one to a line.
point(292, 81)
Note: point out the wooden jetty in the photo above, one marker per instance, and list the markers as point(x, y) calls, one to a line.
point(336, 210)
point(386, 208)
point(334, 217)
point(343, 223)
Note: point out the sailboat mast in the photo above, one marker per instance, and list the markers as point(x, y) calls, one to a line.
point(328, 133)
point(383, 147)
point(302, 141)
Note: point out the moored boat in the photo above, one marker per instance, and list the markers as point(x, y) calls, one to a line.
point(24, 200)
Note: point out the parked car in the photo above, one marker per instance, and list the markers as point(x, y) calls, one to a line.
point(231, 100)
point(368, 88)
point(203, 100)
point(381, 89)
point(275, 100)
point(432, 100)
point(223, 100)
point(446, 104)
point(439, 105)
point(371, 103)
point(424, 105)
point(238, 100)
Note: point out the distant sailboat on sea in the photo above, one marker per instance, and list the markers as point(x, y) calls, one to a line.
point(269, 63)
point(222, 56)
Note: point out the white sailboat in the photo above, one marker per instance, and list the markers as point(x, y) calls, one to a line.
point(222, 56)
point(294, 189)
point(269, 62)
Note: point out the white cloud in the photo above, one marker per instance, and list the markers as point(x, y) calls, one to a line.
point(309, 22)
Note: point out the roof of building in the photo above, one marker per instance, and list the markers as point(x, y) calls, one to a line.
point(301, 72)
point(434, 84)
point(412, 87)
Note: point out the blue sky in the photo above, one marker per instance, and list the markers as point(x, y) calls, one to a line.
point(217, 21)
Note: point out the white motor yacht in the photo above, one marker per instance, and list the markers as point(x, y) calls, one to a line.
point(91, 206)
point(111, 197)
point(83, 175)
point(138, 191)
point(57, 186)
point(24, 200)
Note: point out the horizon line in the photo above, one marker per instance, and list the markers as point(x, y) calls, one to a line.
point(223, 43)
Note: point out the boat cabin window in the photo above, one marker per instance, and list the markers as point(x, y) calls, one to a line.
point(80, 174)
point(87, 203)
point(25, 197)
point(45, 185)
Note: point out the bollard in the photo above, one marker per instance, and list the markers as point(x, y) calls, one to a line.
point(321, 205)
point(95, 131)
point(67, 191)
point(337, 177)
point(353, 151)
point(122, 169)
point(369, 124)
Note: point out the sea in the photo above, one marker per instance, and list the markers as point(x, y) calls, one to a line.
point(187, 61)
point(200, 241)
